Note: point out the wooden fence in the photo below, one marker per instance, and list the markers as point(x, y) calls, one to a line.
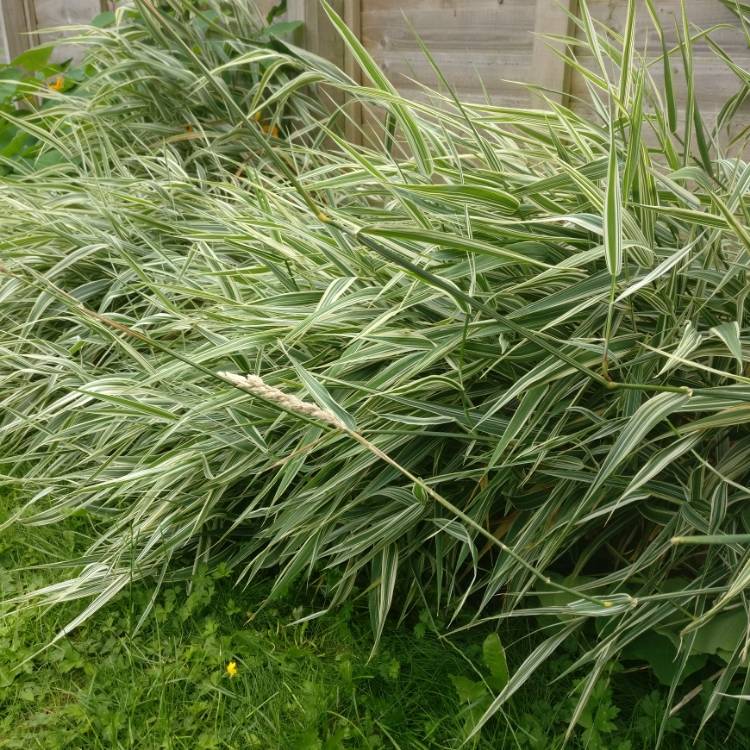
point(484, 47)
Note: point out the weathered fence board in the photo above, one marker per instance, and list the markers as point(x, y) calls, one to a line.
point(479, 46)
point(548, 69)
point(484, 46)
point(17, 19)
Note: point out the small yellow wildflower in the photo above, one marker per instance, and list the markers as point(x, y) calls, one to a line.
point(267, 127)
point(57, 84)
point(270, 129)
point(232, 669)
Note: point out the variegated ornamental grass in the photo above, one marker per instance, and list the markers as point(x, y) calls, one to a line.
point(536, 315)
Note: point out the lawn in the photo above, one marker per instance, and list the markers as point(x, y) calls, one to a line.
point(312, 685)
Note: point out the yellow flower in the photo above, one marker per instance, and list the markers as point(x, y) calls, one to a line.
point(232, 669)
point(270, 130)
point(267, 127)
point(57, 84)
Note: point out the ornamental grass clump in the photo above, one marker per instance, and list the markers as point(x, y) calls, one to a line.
point(536, 315)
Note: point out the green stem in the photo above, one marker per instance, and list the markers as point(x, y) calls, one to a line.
point(649, 388)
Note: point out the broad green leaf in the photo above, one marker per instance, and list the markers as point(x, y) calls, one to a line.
point(104, 19)
point(493, 655)
point(10, 78)
point(721, 634)
point(34, 59)
point(662, 657)
point(469, 691)
point(282, 28)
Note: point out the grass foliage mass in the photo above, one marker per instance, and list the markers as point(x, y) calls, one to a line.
point(531, 325)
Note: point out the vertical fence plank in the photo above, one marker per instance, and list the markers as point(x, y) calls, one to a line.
point(549, 71)
point(18, 18)
point(319, 36)
point(353, 19)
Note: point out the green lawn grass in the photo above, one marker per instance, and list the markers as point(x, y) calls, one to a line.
point(310, 685)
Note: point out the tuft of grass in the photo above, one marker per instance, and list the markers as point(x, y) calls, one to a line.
point(536, 315)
